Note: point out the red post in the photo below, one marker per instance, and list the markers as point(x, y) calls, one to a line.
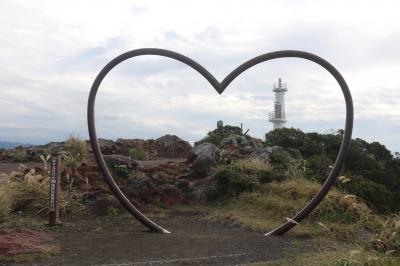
point(55, 190)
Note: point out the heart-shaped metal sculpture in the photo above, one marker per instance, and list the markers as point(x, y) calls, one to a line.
point(220, 87)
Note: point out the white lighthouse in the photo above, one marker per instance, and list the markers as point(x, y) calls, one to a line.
point(278, 116)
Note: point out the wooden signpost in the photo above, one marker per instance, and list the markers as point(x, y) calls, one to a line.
point(55, 190)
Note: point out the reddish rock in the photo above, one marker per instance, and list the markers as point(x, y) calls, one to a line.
point(171, 146)
point(84, 176)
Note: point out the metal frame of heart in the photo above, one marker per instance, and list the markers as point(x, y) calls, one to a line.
point(220, 87)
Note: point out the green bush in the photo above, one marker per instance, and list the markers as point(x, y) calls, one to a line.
point(279, 158)
point(376, 195)
point(215, 137)
point(318, 167)
point(137, 154)
point(121, 171)
point(19, 156)
point(231, 183)
point(75, 151)
point(241, 176)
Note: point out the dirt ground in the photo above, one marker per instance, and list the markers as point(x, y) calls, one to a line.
point(121, 240)
point(194, 241)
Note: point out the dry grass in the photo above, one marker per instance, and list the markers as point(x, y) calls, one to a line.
point(338, 257)
point(274, 202)
point(75, 151)
point(387, 239)
point(29, 194)
point(344, 230)
point(256, 165)
point(23, 193)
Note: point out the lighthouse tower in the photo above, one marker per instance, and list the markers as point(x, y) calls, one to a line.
point(278, 116)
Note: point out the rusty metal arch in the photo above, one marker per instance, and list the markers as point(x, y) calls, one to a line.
point(220, 87)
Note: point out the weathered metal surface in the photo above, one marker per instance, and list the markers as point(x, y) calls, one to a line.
point(220, 87)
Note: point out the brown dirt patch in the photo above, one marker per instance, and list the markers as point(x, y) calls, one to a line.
point(15, 242)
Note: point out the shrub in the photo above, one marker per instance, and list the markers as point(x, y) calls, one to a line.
point(19, 156)
point(137, 154)
point(241, 176)
point(216, 136)
point(318, 167)
point(30, 194)
point(75, 151)
point(387, 239)
point(27, 193)
point(376, 195)
point(279, 158)
point(295, 169)
point(262, 170)
point(121, 171)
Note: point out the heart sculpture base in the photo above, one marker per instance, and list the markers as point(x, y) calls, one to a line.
point(220, 87)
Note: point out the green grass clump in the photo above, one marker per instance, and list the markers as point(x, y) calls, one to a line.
point(121, 171)
point(75, 151)
point(270, 204)
point(19, 156)
point(241, 176)
point(250, 175)
point(137, 154)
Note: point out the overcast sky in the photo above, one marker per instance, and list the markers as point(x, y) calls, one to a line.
point(51, 51)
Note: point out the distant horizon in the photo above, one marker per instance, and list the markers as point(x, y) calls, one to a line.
point(52, 53)
point(190, 141)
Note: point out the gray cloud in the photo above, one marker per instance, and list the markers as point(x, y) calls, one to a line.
point(51, 53)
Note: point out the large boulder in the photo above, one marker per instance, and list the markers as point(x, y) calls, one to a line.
point(204, 158)
point(171, 146)
point(99, 203)
point(265, 153)
point(168, 146)
point(201, 188)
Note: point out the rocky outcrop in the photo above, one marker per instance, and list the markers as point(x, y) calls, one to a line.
point(107, 146)
point(241, 144)
point(117, 160)
point(168, 146)
point(200, 188)
point(171, 146)
point(204, 158)
point(155, 190)
point(99, 203)
point(265, 153)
